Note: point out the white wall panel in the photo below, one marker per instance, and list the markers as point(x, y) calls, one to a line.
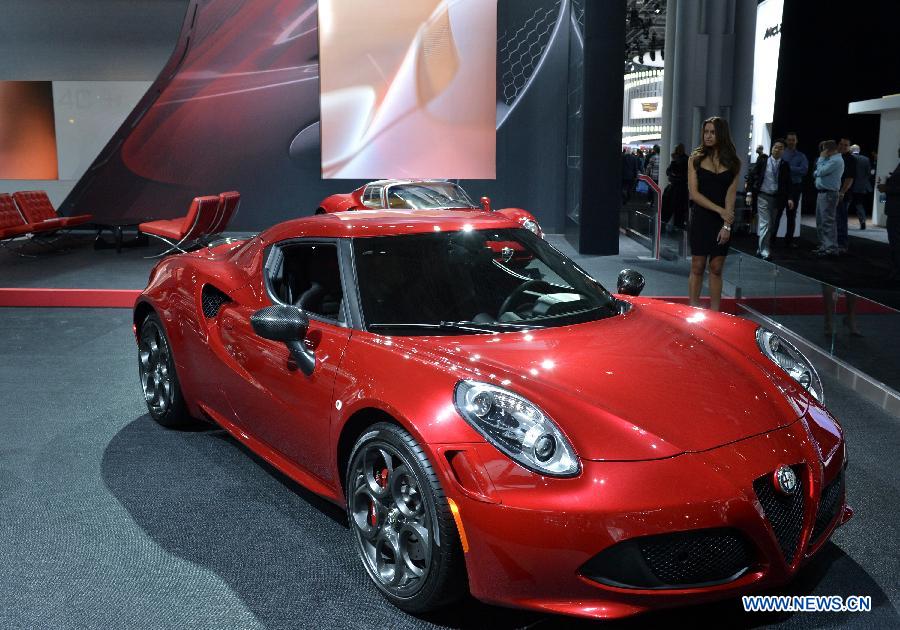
point(87, 114)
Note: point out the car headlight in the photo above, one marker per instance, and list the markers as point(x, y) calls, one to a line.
point(791, 360)
point(532, 226)
point(517, 427)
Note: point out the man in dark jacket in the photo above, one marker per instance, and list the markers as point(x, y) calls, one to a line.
point(770, 187)
point(630, 169)
point(844, 194)
point(891, 189)
point(862, 185)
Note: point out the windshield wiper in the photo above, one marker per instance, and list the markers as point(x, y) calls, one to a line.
point(475, 327)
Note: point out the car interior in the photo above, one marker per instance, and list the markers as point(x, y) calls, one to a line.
point(307, 275)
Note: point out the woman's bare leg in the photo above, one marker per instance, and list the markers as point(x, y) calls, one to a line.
point(716, 263)
point(695, 281)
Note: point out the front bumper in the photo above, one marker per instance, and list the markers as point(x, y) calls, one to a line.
point(532, 539)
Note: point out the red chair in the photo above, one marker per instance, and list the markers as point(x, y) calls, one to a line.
point(12, 223)
point(36, 209)
point(176, 232)
point(228, 205)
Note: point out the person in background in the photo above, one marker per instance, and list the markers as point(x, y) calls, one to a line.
point(770, 184)
point(891, 189)
point(799, 165)
point(862, 185)
point(844, 195)
point(629, 173)
point(760, 153)
point(652, 168)
point(829, 168)
point(713, 173)
point(675, 196)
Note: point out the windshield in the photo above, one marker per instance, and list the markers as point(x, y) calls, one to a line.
point(426, 195)
point(472, 281)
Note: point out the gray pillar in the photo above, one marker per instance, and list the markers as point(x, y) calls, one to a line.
point(709, 62)
point(667, 144)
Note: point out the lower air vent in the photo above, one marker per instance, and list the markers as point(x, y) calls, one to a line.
point(213, 299)
point(678, 560)
point(784, 513)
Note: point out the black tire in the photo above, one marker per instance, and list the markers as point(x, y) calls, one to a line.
point(159, 382)
point(393, 498)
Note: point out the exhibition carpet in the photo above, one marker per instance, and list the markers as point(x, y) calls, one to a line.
point(108, 520)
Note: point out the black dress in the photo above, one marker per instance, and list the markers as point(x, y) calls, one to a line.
point(706, 224)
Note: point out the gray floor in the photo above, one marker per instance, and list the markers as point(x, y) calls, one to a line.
point(71, 262)
point(109, 521)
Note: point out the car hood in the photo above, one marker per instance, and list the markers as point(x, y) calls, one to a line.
point(645, 385)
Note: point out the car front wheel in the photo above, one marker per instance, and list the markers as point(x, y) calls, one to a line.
point(400, 519)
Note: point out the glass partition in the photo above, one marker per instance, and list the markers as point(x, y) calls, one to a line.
point(852, 328)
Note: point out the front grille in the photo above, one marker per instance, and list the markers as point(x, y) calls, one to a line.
point(784, 513)
point(829, 505)
point(213, 299)
point(677, 560)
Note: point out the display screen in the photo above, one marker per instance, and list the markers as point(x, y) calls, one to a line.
point(765, 72)
point(408, 88)
point(236, 108)
point(27, 131)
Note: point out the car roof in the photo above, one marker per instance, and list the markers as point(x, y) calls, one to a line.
point(391, 182)
point(385, 223)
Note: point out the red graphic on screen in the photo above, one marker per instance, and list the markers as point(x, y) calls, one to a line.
point(236, 108)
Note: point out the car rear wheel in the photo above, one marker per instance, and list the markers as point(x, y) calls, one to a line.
point(400, 519)
point(159, 381)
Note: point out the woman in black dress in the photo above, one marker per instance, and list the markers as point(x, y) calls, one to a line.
point(713, 172)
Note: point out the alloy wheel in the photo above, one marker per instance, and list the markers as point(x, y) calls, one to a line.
point(391, 519)
point(156, 382)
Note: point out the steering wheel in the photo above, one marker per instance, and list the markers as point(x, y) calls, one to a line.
point(511, 300)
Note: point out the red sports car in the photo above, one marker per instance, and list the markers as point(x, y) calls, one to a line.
point(518, 432)
point(418, 194)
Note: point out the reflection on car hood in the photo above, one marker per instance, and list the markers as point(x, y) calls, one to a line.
point(644, 385)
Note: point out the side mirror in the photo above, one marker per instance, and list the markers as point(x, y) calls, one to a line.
point(486, 204)
point(630, 282)
point(288, 324)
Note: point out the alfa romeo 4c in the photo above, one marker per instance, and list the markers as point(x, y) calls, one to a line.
point(493, 419)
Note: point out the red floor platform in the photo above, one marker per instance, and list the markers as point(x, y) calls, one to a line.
point(69, 298)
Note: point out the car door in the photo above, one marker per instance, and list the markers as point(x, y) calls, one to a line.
point(271, 398)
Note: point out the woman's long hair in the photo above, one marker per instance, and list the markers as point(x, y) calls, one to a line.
point(724, 145)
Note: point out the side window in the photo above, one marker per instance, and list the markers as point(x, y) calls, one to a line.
point(396, 201)
point(372, 197)
point(307, 275)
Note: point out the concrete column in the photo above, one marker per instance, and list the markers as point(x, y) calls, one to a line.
point(666, 144)
point(709, 62)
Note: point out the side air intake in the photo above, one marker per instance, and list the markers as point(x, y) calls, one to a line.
point(213, 299)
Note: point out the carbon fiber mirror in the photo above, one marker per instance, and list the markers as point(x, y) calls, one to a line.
point(288, 324)
point(630, 282)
